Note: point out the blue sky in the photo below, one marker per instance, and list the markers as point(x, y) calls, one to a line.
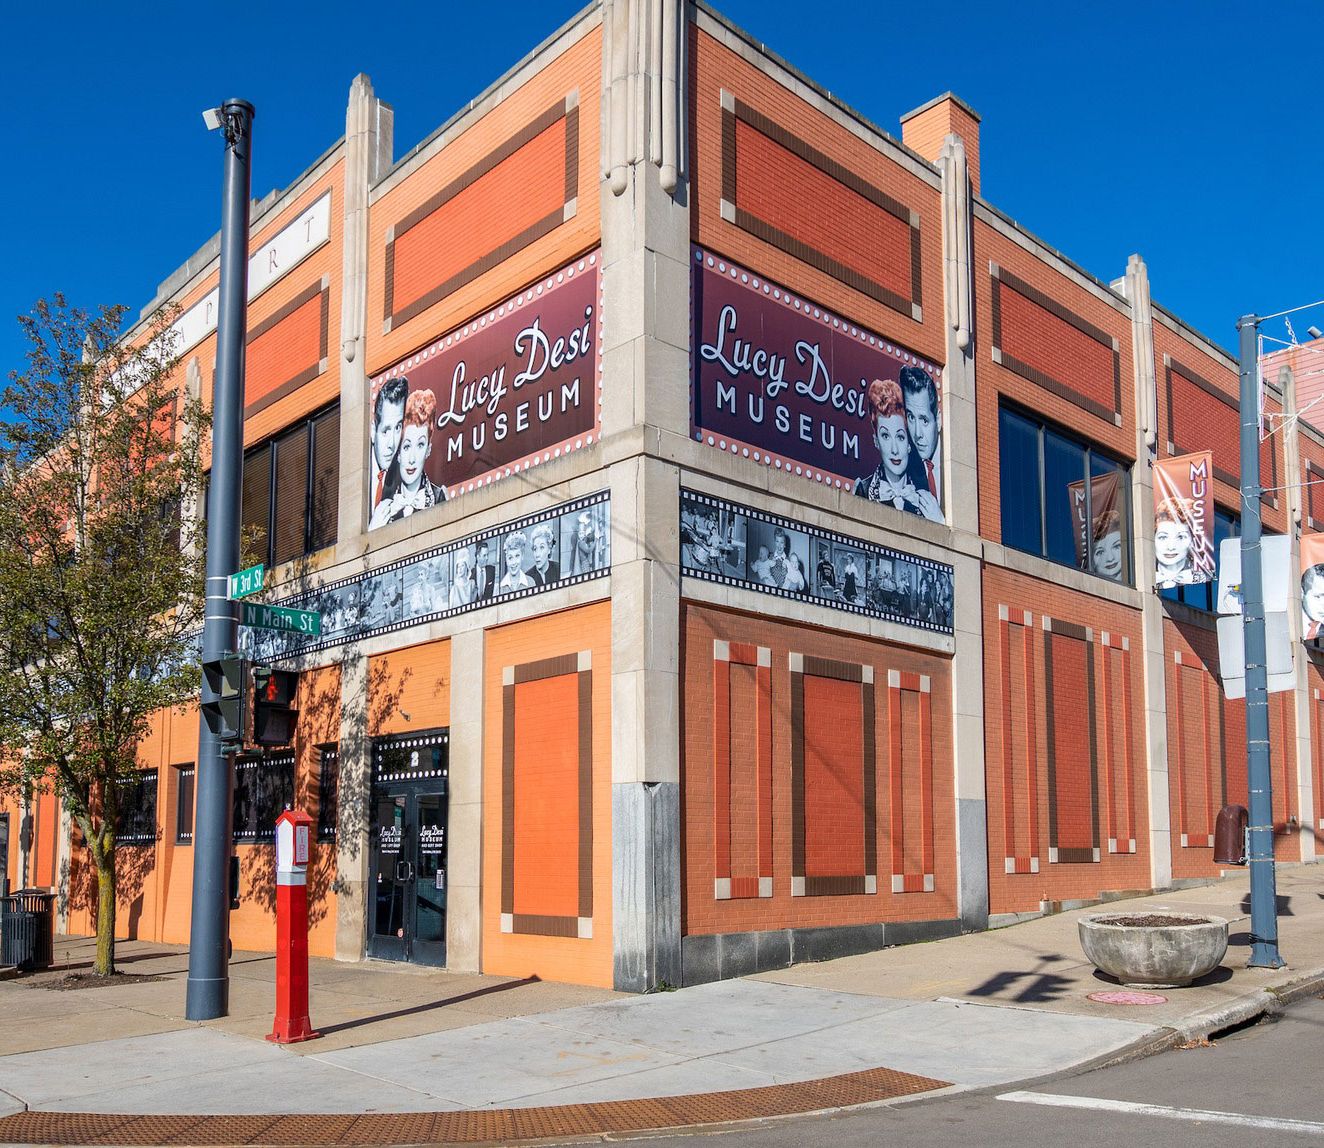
point(1178, 130)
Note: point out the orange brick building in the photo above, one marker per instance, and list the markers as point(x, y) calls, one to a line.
point(733, 538)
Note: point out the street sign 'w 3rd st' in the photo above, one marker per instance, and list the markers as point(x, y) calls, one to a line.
point(307, 622)
point(247, 582)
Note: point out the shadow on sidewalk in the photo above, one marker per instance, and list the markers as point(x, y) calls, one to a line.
point(328, 1029)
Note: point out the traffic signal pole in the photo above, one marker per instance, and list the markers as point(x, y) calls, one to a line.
point(208, 991)
point(1263, 881)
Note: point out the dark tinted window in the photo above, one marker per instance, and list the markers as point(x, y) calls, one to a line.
point(263, 790)
point(184, 805)
point(1062, 499)
point(1022, 491)
point(136, 824)
point(291, 490)
point(328, 787)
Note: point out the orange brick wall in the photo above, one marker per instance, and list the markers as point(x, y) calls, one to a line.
point(507, 195)
point(155, 882)
point(416, 681)
point(1034, 804)
point(909, 805)
point(548, 717)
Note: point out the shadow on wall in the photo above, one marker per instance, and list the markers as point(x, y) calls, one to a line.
point(135, 862)
point(319, 708)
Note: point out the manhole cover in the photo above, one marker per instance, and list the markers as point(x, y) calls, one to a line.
point(1128, 998)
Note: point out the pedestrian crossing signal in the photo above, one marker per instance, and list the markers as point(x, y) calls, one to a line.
point(274, 715)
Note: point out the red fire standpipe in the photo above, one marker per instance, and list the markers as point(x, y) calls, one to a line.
point(293, 834)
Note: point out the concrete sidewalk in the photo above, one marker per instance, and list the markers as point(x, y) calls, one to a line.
point(988, 1009)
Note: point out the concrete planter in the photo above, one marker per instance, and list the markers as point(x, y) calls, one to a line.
point(1161, 949)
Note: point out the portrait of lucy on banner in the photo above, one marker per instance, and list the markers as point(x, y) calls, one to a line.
point(790, 386)
point(1183, 520)
point(1312, 586)
point(1096, 520)
point(512, 388)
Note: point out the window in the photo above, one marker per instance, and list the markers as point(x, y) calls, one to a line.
point(290, 487)
point(1200, 595)
point(136, 820)
point(184, 775)
point(1063, 499)
point(263, 790)
point(328, 790)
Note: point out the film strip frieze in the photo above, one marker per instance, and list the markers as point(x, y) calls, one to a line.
point(736, 546)
point(563, 546)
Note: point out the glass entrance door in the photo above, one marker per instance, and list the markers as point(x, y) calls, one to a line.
point(407, 895)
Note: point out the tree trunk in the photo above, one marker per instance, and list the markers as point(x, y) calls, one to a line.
point(105, 863)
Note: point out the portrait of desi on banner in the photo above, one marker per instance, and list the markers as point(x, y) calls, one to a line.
point(1183, 520)
point(790, 386)
point(514, 387)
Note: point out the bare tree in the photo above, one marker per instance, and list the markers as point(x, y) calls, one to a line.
point(101, 566)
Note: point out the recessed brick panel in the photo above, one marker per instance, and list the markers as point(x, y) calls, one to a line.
point(834, 778)
point(831, 801)
point(519, 192)
point(742, 770)
point(1073, 790)
point(1040, 339)
point(791, 195)
point(287, 350)
point(1207, 751)
point(546, 798)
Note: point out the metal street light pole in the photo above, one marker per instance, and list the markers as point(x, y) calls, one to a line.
point(208, 993)
point(1263, 883)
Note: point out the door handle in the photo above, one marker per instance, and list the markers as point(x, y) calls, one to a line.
point(404, 871)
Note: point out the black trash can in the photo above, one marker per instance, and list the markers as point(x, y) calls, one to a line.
point(18, 939)
point(38, 953)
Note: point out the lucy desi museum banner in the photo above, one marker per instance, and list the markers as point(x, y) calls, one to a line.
point(1183, 520)
point(788, 385)
point(1312, 589)
point(513, 387)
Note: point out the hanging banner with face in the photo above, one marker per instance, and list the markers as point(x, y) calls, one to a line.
point(790, 386)
point(1312, 586)
point(516, 386)
point(1096, 520)
point(1183, 520)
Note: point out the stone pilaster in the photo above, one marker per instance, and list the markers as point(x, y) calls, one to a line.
point(645, 258)
point(368, 143)
point(354, 798)
point(1305, 800)
point(960, 460)
point(1135, 286)
point(464, 850)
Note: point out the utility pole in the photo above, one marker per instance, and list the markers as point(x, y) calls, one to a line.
point(1263, 882)
point(208, 993)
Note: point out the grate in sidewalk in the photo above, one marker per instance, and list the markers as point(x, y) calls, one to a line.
point(467, 1127)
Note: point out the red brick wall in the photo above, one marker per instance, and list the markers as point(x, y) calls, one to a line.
point(1202, 415)
point(1207, 752)
point(830, 206)
point(912, 771)
point(1064, 763)
point(1047, 344)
